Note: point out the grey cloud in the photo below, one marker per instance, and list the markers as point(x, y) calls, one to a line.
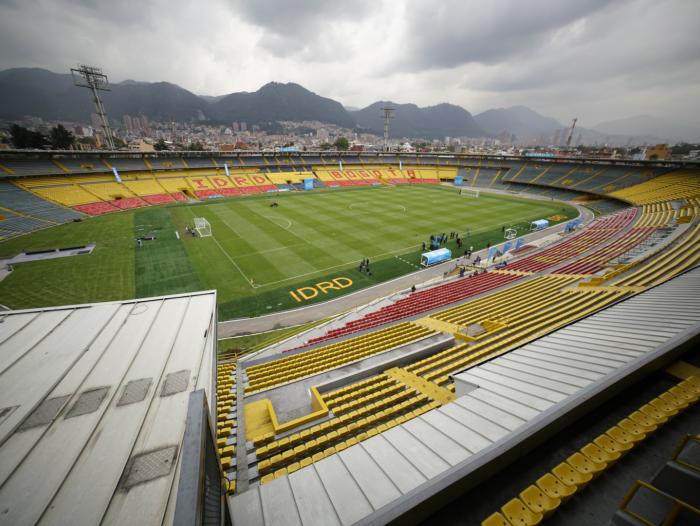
point(295, 25)
point(454, 32)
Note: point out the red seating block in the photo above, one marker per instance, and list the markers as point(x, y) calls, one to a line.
point(96, 209)
point(158, 199)
point(129, 202)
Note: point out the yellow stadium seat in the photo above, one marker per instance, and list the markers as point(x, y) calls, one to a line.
point(555, 488)
point(516, 512)
point(495, 519)
point(598, 454)
point(571, 476)
point(538, 501)
point(585, 465)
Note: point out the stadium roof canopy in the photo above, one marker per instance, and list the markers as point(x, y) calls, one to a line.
point(93, 405)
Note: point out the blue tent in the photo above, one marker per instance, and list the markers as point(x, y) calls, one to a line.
point(539, 224)
point(435, 256)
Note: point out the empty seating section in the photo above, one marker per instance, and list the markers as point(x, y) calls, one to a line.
point(540, 306)
point(353, 175)
point(600, 231)
point(681, 184)
point(349, 176)
point(143, 186)
point(605, 206)
point(283, 178)
point(172, 164)
point(129, 202)
point(422, 301)
point(82, 165)
point(126, 164)
point(485, 176)
point(67, 195)
point(107, 191)
point(191, 162)
point(682, 255)
point(24, 211)
point(546, 191)
point(595, 178)
point(96, 209)
point(10, 166)
point(175, 186)
point(289, 454)
point(226, 419)
point(592, 263)
point(542, 498)
point(283, 370)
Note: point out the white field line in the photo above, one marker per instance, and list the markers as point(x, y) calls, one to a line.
point(233, 262)
point(225, 252)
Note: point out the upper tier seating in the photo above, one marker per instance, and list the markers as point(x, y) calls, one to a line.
point(196, 162)
point(126, 164)
point(81, 165)
point(168, 164)
point(680, 184)
point(28, 167)
point(589, 178)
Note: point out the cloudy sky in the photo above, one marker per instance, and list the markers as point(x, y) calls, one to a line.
point(595, 59)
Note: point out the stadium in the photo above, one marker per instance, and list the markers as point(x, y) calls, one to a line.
point(475, 335)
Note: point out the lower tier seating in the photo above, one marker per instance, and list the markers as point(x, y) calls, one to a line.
point(600, 231)
point(422, 301)
point(96, 209)
point(283, 370)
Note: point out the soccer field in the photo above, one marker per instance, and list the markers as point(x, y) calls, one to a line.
point(261, 259)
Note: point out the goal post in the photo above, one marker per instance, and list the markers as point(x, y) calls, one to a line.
point(469, 192)
point(202, 227)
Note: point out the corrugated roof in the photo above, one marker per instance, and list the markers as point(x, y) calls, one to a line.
point(500, 404)
point(93, 400)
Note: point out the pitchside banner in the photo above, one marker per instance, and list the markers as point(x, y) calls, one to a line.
point(459, 180)
point(308, 184)
point(507, 246)
point(519, 243)
point(493, 251)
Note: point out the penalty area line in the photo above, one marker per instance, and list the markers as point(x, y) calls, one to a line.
point(233, 262)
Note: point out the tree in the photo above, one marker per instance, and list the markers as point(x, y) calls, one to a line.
point(341, 143)
point(160, 145)
point(325, 146)
point(23, 138)
point(60, 138)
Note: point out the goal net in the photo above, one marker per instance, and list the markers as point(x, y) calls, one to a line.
point(469, 192)
point(202, 227)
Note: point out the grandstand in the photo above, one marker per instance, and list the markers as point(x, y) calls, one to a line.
point(383, 416)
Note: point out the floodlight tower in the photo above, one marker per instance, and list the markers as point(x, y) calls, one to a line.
point(571, 132)
point(388, 114)
point(93, 78)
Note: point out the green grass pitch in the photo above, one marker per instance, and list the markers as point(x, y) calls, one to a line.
point(258, 254)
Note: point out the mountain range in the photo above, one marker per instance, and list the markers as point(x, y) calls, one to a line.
point(52, 96)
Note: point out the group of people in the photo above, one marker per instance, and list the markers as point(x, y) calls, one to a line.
point(191, 231)
point(364, 266)
point(442, 239)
